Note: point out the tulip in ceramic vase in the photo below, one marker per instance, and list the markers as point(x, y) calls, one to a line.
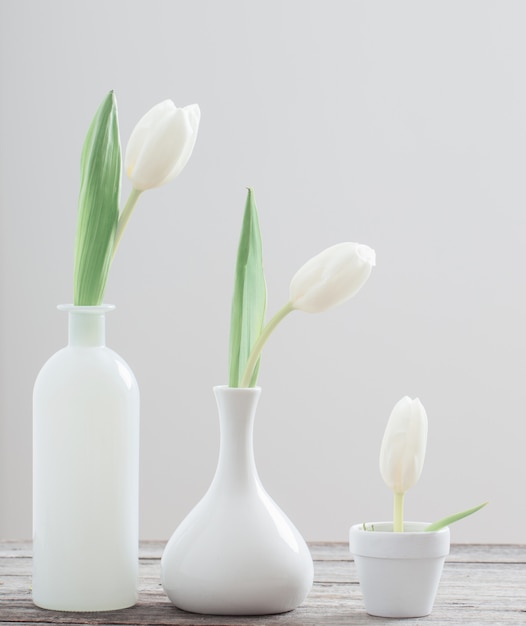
point(85, 473)
point(236, 553)
point(399, 572)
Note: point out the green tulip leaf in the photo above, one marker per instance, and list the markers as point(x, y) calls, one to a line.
point(249, 301)
point(446, 521)
point(98, 206)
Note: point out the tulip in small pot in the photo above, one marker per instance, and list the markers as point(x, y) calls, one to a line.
point(399, 564)
point(399, 573)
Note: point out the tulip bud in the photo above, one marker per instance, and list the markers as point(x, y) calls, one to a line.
point(404, 445)
point(161, 144)
point(331, 277)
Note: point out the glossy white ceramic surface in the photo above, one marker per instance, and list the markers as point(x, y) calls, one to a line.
point(236, 553)
point(398, 572)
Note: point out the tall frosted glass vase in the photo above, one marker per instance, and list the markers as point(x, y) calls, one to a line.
point(236, 553)
point(85, 473)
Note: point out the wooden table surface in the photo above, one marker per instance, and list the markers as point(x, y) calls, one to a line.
point(480, 585)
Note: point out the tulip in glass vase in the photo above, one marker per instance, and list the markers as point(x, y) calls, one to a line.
point(86, 398)
point(237, 552)
point(399, 563)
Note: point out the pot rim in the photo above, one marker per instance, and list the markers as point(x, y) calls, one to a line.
point(410, 544)
point(386, 528)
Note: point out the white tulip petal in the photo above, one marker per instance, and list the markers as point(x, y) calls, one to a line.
point(142, 131)
point(403, 446)
point(331, 277)
point(160, 152)
point(161, 144)
point(191, 122)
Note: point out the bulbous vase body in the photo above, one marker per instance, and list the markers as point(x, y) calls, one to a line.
point(236, 553)
point(85, 473)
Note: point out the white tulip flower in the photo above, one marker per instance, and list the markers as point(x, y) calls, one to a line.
point(161, 144)
point(403, 450)
point(328, 279)
point(331, 277)
point(158, 149)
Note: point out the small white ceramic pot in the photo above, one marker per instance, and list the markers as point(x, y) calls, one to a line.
point(398, 572)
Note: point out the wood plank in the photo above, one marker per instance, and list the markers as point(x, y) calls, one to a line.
point(480, 585)
point(472, 553)
point(325, 551)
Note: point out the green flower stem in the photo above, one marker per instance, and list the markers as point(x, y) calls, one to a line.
point(261, 341)
point(125, 216)
point(398, 515)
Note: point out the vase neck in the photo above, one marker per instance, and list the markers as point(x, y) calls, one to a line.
point(237, 408)
point(86, 325)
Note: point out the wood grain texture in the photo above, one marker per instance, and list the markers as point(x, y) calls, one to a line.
point(480, 585)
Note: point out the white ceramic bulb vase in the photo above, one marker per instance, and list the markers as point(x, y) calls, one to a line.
point(236, 553)
point(399, 572)
point(85, 473)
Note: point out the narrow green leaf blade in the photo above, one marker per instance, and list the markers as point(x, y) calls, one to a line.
point(446, 521)
point(249, 301)
point(98, 206)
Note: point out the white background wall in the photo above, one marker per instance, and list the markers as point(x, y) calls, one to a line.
point(397, 124)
